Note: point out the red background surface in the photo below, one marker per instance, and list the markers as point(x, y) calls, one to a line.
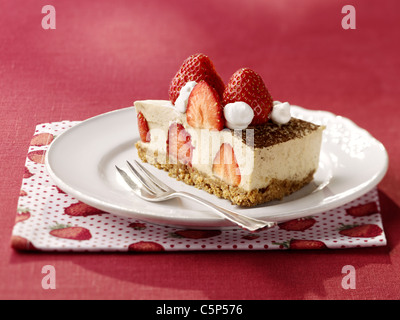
point(103, 55)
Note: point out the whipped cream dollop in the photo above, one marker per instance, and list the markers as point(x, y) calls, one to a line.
point(182, 100)
point(280, 113)
point(238, 115)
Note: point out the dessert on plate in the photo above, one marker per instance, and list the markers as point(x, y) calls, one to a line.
point(232, 140)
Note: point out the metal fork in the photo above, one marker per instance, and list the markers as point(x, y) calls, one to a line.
point(148, 187)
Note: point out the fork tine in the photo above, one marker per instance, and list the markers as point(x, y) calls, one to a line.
point(128, 180)
point(155, 180)
point(142, 180)
point(145, 177)
point(136, 187)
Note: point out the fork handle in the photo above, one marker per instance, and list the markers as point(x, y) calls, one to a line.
point(245, 222)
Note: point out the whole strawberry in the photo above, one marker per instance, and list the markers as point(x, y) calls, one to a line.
point(145, 246)
point(299, 244)
point(197, 67)
point(81, 209)
point(27, 173)
point(22, 215)
point(37, 156)
point(301, 224)
point(247, 86)
point(360, 231)
point(20, 243)
point(70, 232)
point(195, 234)
point(42, 139)
point(363, 210)
point(302, 244)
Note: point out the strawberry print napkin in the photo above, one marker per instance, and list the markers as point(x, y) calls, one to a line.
point(47, 219)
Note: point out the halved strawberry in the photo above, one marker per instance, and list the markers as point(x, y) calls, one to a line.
point(179, 146)
point(300, 244)
point(197, 67)
point(246, 85)
point(204, 108)
point(225, 165)
point(143, 128)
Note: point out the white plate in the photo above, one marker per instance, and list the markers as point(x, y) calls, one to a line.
point(82, 162)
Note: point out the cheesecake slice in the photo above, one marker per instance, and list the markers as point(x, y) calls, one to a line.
point(230, 140)
point(248, 167)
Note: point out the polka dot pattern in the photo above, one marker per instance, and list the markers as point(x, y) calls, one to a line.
point(48, 219)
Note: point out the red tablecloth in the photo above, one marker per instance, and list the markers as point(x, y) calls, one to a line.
point(103, 55)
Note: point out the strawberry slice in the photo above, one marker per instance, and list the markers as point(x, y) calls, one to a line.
point(197, 67)
point(143, 128)
point(179, 146)
point(246, 85)
point(225, 165)
point(204, 108)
